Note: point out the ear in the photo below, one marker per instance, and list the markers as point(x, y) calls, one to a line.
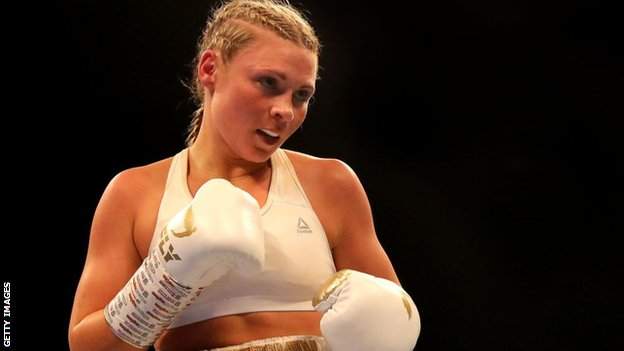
point(207, 68)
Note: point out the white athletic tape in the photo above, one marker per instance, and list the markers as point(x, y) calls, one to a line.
point(144, 308)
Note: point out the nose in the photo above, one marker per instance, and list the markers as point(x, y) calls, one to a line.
point(282, 111)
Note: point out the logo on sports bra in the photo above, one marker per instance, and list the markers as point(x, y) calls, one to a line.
point(303, 227)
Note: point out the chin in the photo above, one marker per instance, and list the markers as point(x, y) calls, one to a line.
point(258, 155)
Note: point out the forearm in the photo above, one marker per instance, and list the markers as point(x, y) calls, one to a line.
point(94, 334)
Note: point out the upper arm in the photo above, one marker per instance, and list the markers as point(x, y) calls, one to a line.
point(112, 256)
point(356, 245)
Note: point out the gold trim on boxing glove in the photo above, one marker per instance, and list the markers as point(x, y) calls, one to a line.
point(189, 224)
point(406, 302)
point(330, 286)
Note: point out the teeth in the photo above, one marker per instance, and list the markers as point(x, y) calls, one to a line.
point(270, 133)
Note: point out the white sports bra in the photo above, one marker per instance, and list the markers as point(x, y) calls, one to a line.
point(298, 256)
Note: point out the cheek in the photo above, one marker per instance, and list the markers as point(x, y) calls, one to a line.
point(237, 105)
point(247, 100)
point(295, 124)
point(301, 115)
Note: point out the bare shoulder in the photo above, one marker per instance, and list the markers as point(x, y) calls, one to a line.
point(331, 173)
point(128, 187)
point(139, 180)
point(141, 188)
point(124, 205)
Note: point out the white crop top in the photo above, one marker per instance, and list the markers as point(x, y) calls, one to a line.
point(298, 256)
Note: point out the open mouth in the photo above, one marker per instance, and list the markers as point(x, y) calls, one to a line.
point(268, 136)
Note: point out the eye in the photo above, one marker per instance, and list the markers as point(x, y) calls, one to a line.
point(302, 95)
point(268, 82)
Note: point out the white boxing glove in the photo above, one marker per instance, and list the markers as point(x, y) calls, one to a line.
point(366, 313)
point(219, 230)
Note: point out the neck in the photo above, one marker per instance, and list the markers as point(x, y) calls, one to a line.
point(206, 163)
point(211, 157)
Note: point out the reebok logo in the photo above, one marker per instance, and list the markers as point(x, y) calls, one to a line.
point(303, 227)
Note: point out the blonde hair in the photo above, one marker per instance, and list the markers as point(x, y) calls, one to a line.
point(224, 32)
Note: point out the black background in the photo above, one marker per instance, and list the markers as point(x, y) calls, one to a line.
point(486, 134)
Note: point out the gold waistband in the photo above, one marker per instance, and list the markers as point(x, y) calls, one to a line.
point(296, 343)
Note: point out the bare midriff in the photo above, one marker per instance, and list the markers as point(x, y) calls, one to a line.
point(238, 329)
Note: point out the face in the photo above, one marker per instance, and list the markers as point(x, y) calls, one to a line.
point(261, 96)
